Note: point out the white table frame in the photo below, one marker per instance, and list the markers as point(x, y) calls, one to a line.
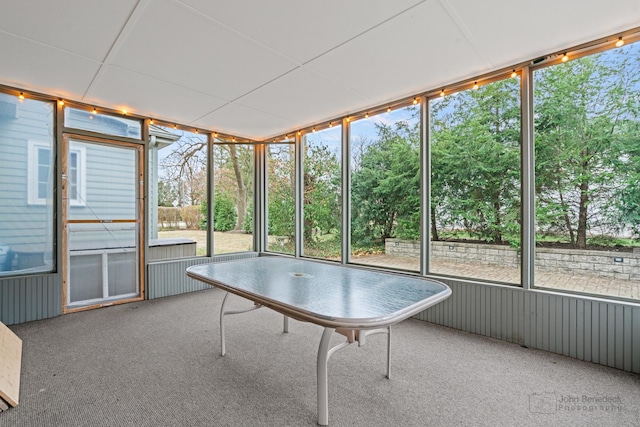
point(355, 330)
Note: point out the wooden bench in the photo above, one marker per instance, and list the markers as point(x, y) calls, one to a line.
point(10, 364)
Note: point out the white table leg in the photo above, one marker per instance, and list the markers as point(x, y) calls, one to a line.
point(388, 351)
point(323, 389)
point(285, 328)
point(222, 346)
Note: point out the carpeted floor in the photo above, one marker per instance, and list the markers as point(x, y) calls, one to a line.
point(158, 363)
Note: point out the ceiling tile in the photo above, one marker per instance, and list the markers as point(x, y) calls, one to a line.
point(243, 121)
point(301, 30)
point(302, 98)
point(88, 28)
point(418, 50)
point(177, 46)
point(30, 65)
point(122, 89)
point(507, 32)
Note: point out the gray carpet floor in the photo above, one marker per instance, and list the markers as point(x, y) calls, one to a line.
point(158, 363)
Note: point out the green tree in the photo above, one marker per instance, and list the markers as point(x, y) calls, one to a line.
point(385, 186)
point(585, 147)
point(475, 152)
point(322, 187)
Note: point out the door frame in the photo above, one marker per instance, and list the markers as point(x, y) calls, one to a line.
point(140, 220)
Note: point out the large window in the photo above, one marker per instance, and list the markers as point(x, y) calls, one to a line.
point(281, 185)
point(475, 182)
point(178, 192)
point(385, 189)
point(233, 197)
point(27, 160)
point(322, 203)
point(587, 153)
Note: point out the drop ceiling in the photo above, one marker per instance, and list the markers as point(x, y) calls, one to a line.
point(257, 69)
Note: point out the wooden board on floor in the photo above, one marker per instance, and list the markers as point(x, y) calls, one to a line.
point(10, 364)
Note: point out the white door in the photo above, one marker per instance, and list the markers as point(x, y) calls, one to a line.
point(102, 227)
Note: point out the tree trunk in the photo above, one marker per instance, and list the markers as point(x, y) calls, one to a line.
point(241, 203)
point(434, 229)
point(584, 201)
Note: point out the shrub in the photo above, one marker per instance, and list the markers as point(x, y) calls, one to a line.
point(224, 213)
point(191, 215)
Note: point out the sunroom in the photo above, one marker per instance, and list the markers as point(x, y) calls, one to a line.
point(493, 147)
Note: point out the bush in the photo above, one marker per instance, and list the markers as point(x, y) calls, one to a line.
point(191, 215)
point(224, 213)
point(168, 217)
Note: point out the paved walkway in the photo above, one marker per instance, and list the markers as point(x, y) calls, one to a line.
point(552, 280)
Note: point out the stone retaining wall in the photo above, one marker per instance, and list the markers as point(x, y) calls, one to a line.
point(616, 265)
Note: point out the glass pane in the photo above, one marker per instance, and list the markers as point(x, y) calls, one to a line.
point(108, 191)
point(26, 186)
point(281, 201)
point(475, 183)
point(323, 194)
point(385, 189)
point(233, 198)
point(102, 123)
point(82, 267)
point(587, 129)
point(177, 193)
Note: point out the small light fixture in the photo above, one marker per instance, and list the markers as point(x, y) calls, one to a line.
point(348, 119)
point(299, 133)
point(175, 126)
point(124, 112)
point(150, 121)
point(388, 109)
point(565, 58)
point(94, 112)
point(620, 42)
point(196, 131)
point(313, 130)
point(475, 86)
point(514, 74)
point(330, 124)
point(60, 102)
point(21, 96)
point(233, 140)
point(215, 135)
point(415, 101)
point(442, 92)
point(366, 116)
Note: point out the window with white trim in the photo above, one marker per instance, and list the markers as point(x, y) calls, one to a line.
point(40, 173)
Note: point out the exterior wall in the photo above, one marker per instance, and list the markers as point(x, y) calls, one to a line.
point(168, 278)
point(617, 265)
point(21, 122)
point(28, 298)
point(603, 332)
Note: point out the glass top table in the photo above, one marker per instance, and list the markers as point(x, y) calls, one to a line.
point(355, 302)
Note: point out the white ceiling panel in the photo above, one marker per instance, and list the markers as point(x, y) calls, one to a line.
point(175, 45)
point(243, 121)
point(535, 28)
point(303, 98)
point(88, 28)
point(258, 68)
point(404, 56)
point(302, 30)
point(30, 65)
point(142, 95)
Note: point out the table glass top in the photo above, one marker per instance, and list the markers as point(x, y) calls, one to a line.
point(324, 290)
